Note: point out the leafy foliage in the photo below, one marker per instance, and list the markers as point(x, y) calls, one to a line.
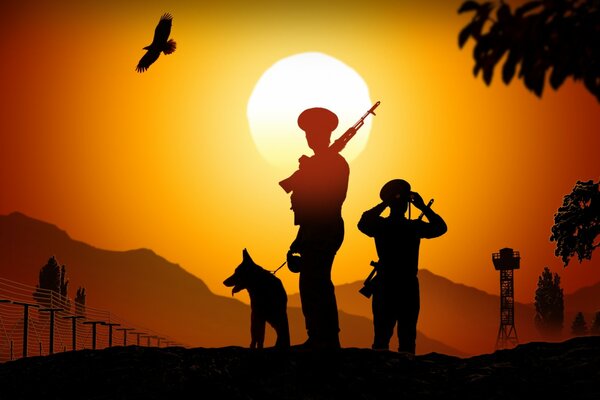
point(51, 277)
point(577, 223)
point(579, 327)
point(561, 36)
point(549, 303)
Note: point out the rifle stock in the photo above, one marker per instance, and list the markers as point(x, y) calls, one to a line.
point(367, 289)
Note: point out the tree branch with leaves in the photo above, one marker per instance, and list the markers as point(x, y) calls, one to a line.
point(577, 223)
point(559, 38)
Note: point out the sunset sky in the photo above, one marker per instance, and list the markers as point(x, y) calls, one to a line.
point(165, 160)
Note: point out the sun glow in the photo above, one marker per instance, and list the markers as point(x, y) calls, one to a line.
point(294, 84)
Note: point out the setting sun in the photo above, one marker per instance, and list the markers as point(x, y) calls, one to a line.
point(294, 84)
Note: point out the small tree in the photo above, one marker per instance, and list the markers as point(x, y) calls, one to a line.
point(595, 329)
point(64, 284)
point(579, 327)
point(80, 302)
point(577, 223)
point(49, 277)
point(52, 277)
point(549, 304)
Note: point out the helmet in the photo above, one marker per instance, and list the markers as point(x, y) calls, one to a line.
point(395, 189)
point(317, 119)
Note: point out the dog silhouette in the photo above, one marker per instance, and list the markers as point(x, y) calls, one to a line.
point(268, 301)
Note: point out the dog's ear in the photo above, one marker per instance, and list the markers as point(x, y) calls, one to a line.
point(246, 256)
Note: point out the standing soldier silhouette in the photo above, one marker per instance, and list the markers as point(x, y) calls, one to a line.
point(319, 190)
point(397, 239)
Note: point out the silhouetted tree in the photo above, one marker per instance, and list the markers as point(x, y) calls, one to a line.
point(560, 36)
point(549, 304)
point(64, 284)
point(577, 223)
point(80, 302)
point(579, 327)
point(51, 277)
point(595, 328)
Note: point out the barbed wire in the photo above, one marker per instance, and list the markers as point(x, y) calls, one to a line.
point(19, 337)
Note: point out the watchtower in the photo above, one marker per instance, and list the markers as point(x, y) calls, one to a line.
point(506, 261)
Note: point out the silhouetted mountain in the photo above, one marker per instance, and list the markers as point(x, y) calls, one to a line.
point(586, 300)
point(146, 289)
point(564, 370)
point(463, 317)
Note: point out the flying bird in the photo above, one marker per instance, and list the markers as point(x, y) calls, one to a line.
point(161, 42)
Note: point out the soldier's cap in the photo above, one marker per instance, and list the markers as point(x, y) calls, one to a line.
point(395, 189)
point(317, 119)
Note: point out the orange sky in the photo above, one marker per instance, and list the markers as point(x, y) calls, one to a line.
point(165, 160)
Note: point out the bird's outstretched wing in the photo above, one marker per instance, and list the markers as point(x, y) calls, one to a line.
point(147, 60)
point(163, 29)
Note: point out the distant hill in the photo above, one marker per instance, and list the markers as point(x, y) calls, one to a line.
point(148, 290)
point(586, 300)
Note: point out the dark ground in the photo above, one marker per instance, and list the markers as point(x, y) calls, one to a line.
point(567, 370)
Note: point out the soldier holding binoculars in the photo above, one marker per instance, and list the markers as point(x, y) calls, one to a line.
point(397, 239)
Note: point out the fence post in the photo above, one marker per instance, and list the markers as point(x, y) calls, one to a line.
point(74, 319)
point(125, 334)
point(5, 301)
point(51, 311)
point(94, 324)
point(138, 334)
point(110, 329)
point(25, 323)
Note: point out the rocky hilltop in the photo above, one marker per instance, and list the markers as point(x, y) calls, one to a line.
point(538, 370)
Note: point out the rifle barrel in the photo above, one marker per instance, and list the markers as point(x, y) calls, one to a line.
point(360, 122)
point(371, 111)
point(337, 146)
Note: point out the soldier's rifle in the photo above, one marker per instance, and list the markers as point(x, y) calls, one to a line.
point(337, 146)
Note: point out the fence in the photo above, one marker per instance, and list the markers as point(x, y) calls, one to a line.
point(35, 322)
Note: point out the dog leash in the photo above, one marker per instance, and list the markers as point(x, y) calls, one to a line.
point(281, 266)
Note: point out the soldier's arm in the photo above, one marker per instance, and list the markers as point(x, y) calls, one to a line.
point(339, 184)
point(435, 227)
point(369, 221)
point(329, 184)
